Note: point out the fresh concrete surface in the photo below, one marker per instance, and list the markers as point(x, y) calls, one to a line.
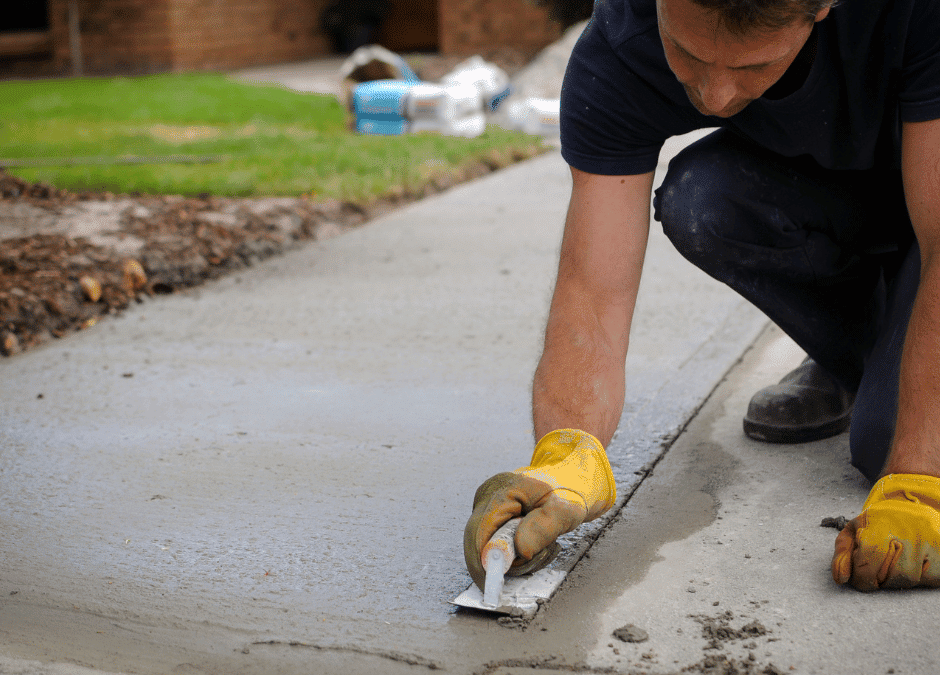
point(726, 524)
point(723, 524)
point(272, 473)
point(287, 457)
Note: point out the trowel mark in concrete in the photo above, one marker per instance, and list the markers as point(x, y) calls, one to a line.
point(684, 505)
point(314, 655)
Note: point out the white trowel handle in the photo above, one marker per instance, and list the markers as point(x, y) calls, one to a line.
point(497, 556)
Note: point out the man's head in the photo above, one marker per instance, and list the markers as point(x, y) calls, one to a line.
point(726, 53)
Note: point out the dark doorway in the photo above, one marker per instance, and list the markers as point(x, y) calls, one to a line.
point(25, 40)
point(25, 16)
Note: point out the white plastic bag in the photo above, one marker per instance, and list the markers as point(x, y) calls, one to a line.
point(443, 103)
point(469, 126)
point(537, 116)
point(490, 81)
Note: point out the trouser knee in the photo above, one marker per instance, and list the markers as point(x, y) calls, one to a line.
point(689, 206)
point(716, 206)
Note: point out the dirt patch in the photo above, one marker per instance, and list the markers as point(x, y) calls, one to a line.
point(717, 630)
point(719, 633)
point(68, 259)
point(720, 664)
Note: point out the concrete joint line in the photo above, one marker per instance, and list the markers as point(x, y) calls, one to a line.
point(663, 419)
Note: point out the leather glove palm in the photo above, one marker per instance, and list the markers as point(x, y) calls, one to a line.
point(895, 541)
point(568, 482)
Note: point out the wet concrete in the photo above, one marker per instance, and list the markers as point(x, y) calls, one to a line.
point(273, 472)
point(726, 533)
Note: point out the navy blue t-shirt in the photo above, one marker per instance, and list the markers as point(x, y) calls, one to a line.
point(877, 64)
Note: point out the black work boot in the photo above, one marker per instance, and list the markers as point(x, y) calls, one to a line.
point(807, 405)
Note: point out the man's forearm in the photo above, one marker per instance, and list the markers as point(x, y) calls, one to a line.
point(580, 381)
point(916, 446)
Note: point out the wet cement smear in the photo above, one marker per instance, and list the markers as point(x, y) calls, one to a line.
point(672, 504)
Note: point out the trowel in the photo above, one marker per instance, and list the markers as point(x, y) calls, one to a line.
point(516, 596)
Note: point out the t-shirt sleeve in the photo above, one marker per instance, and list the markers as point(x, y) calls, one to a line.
point(920, 75)
point(613, 121)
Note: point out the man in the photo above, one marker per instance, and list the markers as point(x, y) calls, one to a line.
point(818, 199)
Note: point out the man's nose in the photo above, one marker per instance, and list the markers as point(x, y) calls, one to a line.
point(717, 91)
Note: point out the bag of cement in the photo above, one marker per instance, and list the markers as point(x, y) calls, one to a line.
point(392, 107)
point(379, 106)
point(370, 63)
point(443, 104)
point(490, 81)
point(382, 127)
point(469, 126)
point(537, 116)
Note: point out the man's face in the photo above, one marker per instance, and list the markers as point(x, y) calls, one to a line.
point(722, 72)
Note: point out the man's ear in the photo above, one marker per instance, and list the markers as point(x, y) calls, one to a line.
point(823, 13)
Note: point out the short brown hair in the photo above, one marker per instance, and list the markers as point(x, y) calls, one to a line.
point(744, 16)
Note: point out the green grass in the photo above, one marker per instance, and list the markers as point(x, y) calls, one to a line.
point(273, 141)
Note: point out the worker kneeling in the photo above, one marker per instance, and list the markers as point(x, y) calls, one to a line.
point(816, 199)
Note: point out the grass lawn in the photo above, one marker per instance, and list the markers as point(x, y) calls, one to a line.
point(271, 141)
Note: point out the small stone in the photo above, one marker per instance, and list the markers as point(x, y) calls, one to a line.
point(134, 277)
point(837, 523)
point(91, 287)
point(631, 633)
point(10, 344)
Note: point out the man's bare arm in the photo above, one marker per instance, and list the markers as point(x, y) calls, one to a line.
point(895, 541)
point(916, 446)
point(579, 382)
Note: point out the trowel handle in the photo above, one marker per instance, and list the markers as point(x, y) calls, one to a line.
point(502, 540)
point(498, 555)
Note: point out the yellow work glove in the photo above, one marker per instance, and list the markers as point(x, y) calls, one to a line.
point(568, 482)
point(895, 541)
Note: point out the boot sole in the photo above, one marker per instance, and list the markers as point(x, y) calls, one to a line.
point(783, 434)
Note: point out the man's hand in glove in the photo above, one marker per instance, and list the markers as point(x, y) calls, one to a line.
point(568, 482)
point(895, 541)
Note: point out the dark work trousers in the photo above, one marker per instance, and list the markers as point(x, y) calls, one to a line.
point(829, 256)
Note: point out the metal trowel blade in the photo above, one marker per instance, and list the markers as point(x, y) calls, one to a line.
point(520, 596)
